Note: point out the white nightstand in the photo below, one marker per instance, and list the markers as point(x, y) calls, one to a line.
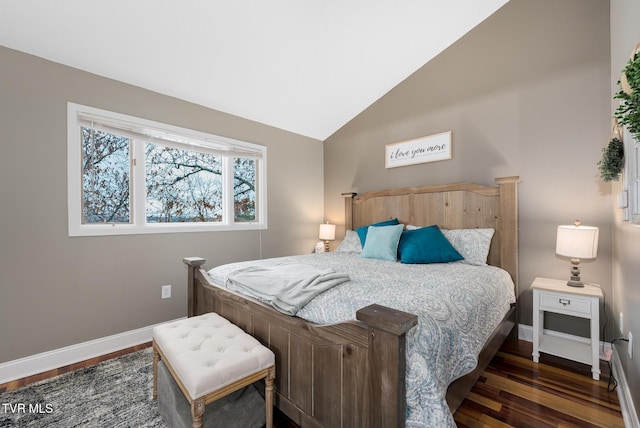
point(552, 295)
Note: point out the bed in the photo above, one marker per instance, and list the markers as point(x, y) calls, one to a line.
point(358, 369)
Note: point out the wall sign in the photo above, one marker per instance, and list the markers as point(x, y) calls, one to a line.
point(419, 150)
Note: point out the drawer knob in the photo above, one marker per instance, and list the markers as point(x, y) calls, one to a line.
point(564, 302)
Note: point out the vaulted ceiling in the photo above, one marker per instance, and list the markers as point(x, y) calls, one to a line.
point(306, 66)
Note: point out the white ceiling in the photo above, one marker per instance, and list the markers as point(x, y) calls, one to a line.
point(306, 66)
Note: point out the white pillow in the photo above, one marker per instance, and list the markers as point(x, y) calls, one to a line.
point(350, 243)
point(472, 244)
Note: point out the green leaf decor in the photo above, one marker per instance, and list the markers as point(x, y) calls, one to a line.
point(628, 112)
point(612, 160)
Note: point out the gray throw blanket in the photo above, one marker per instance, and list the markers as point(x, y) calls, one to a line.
point(286, 287)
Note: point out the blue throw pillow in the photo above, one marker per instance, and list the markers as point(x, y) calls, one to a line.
point(382, 242)
point(362, 231)
point(426, 245)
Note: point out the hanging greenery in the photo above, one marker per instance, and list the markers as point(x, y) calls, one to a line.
point(628, 112)
point(612, 160)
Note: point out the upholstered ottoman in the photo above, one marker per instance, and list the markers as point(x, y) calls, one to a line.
point(243, 408)
point(209, 358)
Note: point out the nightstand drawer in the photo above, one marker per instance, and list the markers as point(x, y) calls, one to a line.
point(565, 303)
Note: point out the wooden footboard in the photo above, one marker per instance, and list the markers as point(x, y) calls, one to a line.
point(350, 374)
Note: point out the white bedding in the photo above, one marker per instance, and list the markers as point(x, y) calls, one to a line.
point(458, 307)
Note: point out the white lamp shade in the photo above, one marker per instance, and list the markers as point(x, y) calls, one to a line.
point(327, 232)
point(578, 242)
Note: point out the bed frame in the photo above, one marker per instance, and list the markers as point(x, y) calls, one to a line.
point(352, 374)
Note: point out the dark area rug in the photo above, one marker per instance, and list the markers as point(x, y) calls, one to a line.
point(114, 393)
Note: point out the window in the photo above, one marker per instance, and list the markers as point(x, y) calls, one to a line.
point(128, 175)
point(631, 178)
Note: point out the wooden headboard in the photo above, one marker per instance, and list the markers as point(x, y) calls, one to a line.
point(450, 206)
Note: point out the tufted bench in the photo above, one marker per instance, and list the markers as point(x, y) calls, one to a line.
point(209, 357)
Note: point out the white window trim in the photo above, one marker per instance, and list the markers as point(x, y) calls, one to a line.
point(209, 142)
point(631, 178)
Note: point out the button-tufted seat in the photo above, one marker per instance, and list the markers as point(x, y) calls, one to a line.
point(209, 357)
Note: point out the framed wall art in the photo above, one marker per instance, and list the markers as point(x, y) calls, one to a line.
point(419, 150)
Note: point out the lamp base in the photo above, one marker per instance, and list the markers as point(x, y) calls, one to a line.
point(575, 283)
point(575, 274)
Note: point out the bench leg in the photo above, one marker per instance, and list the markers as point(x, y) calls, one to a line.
point(156, 358)
point(197, 412)
point(268, 395)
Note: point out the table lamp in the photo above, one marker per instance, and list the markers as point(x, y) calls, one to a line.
point(327, 233)
point(577, 242)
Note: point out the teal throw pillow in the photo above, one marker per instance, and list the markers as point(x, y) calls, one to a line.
point(382, 242)
point(426, 245)
point(362, 231)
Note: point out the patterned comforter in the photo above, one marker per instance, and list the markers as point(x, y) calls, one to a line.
point(458, 307)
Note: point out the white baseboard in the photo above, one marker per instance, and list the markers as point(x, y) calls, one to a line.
point(629, 414)
point(525, 332)
point(39, 363)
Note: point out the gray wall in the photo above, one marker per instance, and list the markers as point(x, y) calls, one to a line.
point(57, 291)
point(625, 33)
point(526, 93)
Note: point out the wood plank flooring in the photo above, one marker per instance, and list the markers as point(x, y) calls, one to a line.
point(512, 392)
point(56, 372)
point(516, 392)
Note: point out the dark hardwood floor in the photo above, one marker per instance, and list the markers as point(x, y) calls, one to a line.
point(516, 392)
point(512, 392)
point(55, 372)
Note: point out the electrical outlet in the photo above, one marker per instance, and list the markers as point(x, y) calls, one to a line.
point(621, 323)
point(630, 348)
point(166, 291)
